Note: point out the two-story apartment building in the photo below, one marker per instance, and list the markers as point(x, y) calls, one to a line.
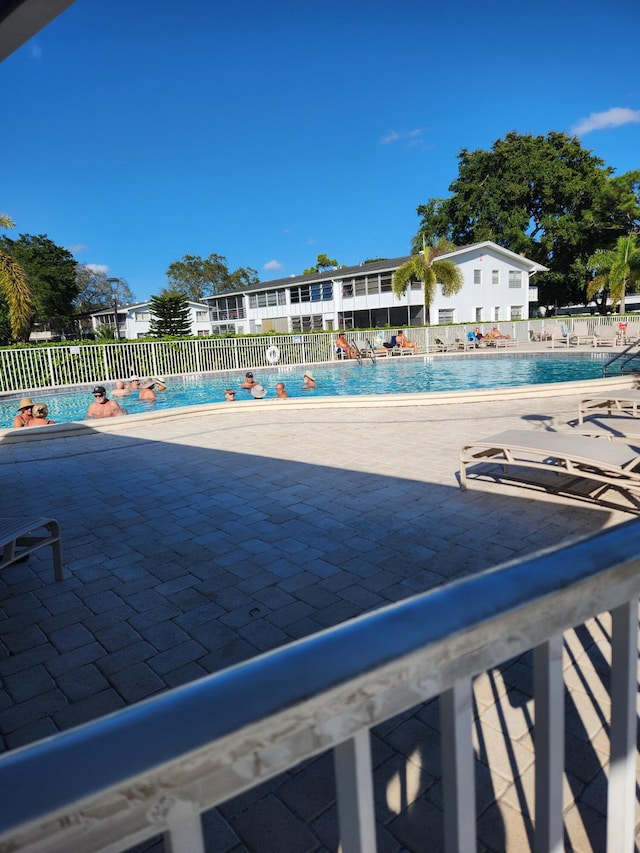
point(497, 286)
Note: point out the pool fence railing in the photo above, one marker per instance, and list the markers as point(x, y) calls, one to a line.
point(60, 366)
point(155, 767)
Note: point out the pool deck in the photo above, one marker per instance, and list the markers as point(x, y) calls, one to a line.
point(199, 539)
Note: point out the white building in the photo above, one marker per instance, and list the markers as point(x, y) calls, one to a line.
point(134, 320)
point(496, 287)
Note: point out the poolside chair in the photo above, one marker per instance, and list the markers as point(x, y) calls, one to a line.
point(606, 336)
point(560, 336)
point(580, 334)
point(624, 401)
point(632, 332)
point(20, 537)
point(566, 456)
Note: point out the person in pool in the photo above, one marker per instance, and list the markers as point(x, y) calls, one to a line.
point(102, 407)
point(308, 379)
point(249, 381)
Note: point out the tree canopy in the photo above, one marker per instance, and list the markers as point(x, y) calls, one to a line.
point(543, 196)
point(169, 315)
point(323, 262)
point(51, 274)
point(196, 277)
point(97, 292)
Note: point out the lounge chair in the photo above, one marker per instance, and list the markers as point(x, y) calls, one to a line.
point(611, 464)
point(560, 336)
point(20, 537)
point(606, 336)
point(632, 332)
point(580, 334)
point(623, 401)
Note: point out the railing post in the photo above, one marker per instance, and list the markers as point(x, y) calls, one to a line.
point(458, 770)
point(622, 760)
point(354, 786)
point(548, 685)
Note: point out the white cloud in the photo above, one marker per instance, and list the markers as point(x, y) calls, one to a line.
point(273, 265)
point(99, 268)
point(408, 136)
point(615, 117)
point(77, 248)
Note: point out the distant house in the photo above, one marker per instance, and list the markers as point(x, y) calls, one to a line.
point(497, 286)
point(134, 320)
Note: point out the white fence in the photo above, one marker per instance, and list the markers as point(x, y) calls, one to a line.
point(155, 767)
point(67, 366)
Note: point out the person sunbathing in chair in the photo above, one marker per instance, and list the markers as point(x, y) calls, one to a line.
point(405, 343)
point(495, 333)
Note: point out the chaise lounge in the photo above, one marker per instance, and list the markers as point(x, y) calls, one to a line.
point(611, 464)
point(622, 401)
point(20, 537)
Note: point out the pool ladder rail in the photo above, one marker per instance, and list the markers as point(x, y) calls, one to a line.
point(628, 360)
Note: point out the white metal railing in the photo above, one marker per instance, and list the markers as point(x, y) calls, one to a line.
point(66, 366)
point(155, 767)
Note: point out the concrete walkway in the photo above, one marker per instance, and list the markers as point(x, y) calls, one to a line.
point(197, 540)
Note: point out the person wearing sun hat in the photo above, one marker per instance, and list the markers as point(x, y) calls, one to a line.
point(25, 413)
point(147, 394)
point(258, 391)
point(308, 379)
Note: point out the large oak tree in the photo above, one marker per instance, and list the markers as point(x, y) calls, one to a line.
point(543, 196)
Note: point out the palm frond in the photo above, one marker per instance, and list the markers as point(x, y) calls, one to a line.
point(409, 271)
point(15, 288)
point(449, 275)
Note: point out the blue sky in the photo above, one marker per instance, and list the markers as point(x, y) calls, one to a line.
point(138, 131)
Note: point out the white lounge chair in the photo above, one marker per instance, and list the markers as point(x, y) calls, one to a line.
point(560, 336)
point(622, 401)
point(606, 336)
point(611, 464)
point(580, 334)
point(20, 537)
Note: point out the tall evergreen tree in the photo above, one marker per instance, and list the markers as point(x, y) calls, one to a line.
point(170, 315)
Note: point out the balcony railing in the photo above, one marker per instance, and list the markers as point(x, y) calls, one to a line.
point(155, 767)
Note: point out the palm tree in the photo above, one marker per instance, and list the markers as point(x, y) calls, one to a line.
point(15, 288)
point(426, 267)
point(615, 269)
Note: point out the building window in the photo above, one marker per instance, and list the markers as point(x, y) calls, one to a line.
point(202, 333)
point(515, 278)
point(477, 276)
point(143, 317)
point(360, 287)
point(478, 315)
point(516, 312)
point(496, 313)
point(347, 289)
point(445, 316)
point(307, 324)
point(385, 283)
point(312, 293)
point(373, 285)
point(202, 316)
point(495, 276)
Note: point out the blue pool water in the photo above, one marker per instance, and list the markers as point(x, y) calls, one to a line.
point(387, 376)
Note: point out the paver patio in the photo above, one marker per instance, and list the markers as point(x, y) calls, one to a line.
point(196, 541)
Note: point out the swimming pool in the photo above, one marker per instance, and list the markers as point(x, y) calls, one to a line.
point(387, 376)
